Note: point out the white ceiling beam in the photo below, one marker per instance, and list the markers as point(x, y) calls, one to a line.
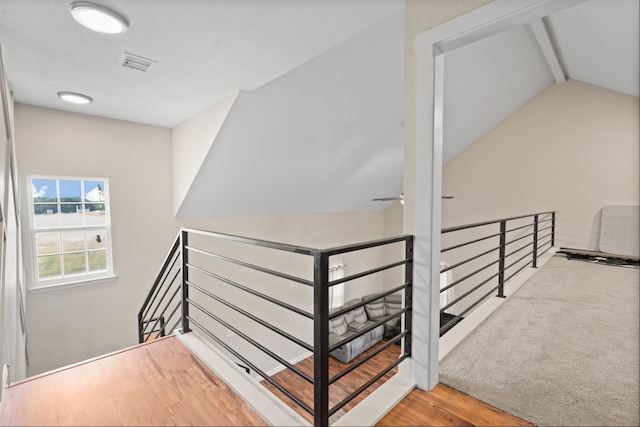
point(541, 34)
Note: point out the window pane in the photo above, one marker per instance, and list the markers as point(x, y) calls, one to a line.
point(94, 191)
point(70, 191)
point(44, 190)
point(71, 214)
point(96, 239)
point(48, 266)
point(95, 213)
point(97, 260)
point(45, 215)
point(48, 243)
point(74, 263)
point(72, 241)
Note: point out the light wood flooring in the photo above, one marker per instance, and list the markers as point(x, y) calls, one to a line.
point(159, 383)
point(441, 406)
point(444, 406)
point(163, 383)
point(341, 388)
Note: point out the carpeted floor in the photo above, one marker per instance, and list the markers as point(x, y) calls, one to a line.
point(562, 350)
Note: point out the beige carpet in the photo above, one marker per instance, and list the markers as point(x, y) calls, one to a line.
point(562, 350)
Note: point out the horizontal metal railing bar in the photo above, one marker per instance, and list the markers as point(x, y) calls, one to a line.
point(466, 294)
point(166, 321)
point(480, 224)
point(162, 281)
point(251, 266)
point(172, 251)
point(451, 267)
point(367, 329)
point(545, 228)
point(253, 292)
point(465, 311)
point(251, 341)
point(252, 317)
point(366, 301)
point(544, 237)
point(255, 242)
point(522, 267)
point(470, 242)
point(519, 228)
point(388, 344)
point(518, 239)
point(158, 305)
point(252, 366)
point(519, 249)
point(366, 245)
point(165, 307)
point(366, 385)
point(367, 273)
point(449, 324)
point(462, 279)
point(519, 259)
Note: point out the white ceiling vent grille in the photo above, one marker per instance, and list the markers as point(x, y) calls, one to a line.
point(136, 62)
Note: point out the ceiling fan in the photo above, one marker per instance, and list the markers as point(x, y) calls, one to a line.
point(400, 197)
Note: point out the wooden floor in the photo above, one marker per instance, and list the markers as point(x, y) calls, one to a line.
point(341, 388)
point(163, 383)
point(441, 406)
point(159, 383)
point(444, 406)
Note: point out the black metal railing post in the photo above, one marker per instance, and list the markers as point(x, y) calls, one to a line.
point(408, 294)
point(184, 258)
point(140, 328)
point(503, 238)
point(553, 228)
point(535, 241)
point(321, 339)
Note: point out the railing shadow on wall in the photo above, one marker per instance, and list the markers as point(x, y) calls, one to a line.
point(478, 259)
point(266, 306)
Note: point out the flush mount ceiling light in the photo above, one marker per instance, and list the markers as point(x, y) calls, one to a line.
point(74, 98)
point(98, 18)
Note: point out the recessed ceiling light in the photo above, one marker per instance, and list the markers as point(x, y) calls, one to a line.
point(98, 18)
point(74, 98)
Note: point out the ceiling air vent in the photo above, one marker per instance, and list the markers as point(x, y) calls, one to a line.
point(136, 62)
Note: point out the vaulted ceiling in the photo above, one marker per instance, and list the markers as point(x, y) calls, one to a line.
point(335, 86)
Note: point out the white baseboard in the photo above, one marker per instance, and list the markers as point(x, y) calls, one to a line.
point(299, 358)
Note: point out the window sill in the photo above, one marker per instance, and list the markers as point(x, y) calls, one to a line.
point(72, 284)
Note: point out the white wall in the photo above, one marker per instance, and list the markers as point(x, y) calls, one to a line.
point(192, 140)
point(73, 324)
point(573, 149)
point(12, 330)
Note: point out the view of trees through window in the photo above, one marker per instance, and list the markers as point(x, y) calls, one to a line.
point(70, 221)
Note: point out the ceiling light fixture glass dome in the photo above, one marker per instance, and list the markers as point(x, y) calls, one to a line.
point(98, 18)
point(74, 98)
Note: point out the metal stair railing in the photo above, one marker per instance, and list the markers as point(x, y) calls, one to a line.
point(227, 295)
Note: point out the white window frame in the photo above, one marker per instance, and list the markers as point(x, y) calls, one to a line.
point(74, 279)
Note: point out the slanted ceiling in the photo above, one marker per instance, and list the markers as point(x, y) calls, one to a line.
point(327, 136)
point(318, 124)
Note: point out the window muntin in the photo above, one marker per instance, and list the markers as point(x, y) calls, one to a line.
point(71, 229)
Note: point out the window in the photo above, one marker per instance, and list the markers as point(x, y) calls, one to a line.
point(71, 229)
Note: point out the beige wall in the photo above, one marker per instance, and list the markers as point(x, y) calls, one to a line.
point(573, 148)
point(72, 324)
point(191, 141)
